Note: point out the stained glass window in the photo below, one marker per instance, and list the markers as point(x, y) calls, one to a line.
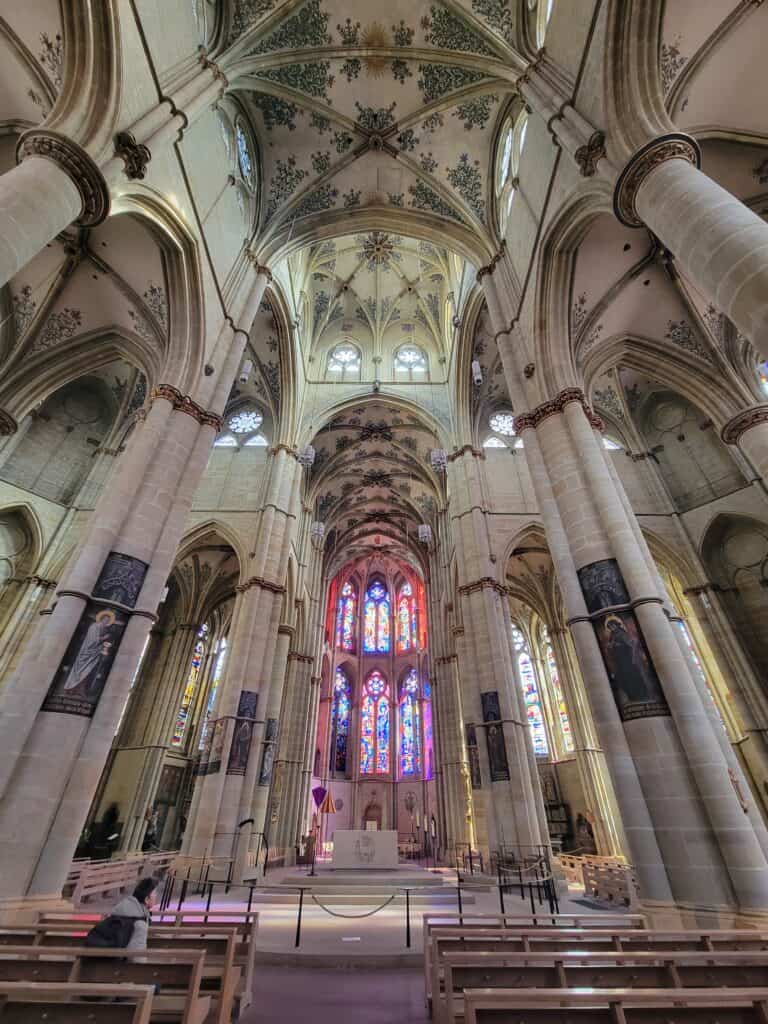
point(406, 619)
point(345, 618)
point(374, 726)
point(530, 694)
point(344, 359)
point(410, 725)
point(244, 156)
point(218, 668)
point(554, 678)
point(340, 719)
point(762, 372)
point(189, 690)
point(410, 359)
point(246, 422)
point(428, 767)
point(503, 423)
point(700, 668)
point(377, 626)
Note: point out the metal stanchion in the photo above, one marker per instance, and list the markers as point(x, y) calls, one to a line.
point(182, 894)
point(298, 919)
point(530, 893)
point(458, 891)
point(208, 904)
point(501, 891)
point(250, 899)
point(408, 918)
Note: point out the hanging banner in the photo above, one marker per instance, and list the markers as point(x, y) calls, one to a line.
point(241, 738)
point(494, 735)
point(268, 753)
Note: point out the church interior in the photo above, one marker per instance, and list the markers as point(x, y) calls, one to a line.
point(384, 499)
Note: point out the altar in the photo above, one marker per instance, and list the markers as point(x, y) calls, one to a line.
point(361, 848)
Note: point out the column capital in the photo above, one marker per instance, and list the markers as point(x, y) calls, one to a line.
point(8, 424)
point(260, 268)
point(259, 581)
point(183, 403)
point(466, 449)
point(481, 584)
point(556, 405)
point(742, 422)
point(491, 266)
point(674, 146)
point(77, 164)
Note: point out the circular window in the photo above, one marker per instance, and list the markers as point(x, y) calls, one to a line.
point(502, 423)
point(246, 422)
point(245, 157)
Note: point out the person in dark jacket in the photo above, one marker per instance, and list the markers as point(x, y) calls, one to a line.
point(138, 906)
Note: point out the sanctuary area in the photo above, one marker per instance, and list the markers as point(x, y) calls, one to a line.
point(383, 502)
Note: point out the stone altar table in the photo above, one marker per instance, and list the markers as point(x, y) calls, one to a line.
point(361, 849)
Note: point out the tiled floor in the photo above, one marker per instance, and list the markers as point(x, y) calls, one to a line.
point(300, 995)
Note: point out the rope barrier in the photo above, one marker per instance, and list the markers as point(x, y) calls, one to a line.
point(352, 917)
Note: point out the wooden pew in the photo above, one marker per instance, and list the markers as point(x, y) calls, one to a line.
point(110, 878)
point(565, 940)
point(221, 977)
point(648, 970)
point(612, 881)
point(23, 1002)
point(436, 921)
point(178, 973)
point(611, 1006)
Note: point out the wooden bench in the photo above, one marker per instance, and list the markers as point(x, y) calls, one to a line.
point(178, 973)
point(613, 882)
point(246, 923)
point(462, 971)
point(221, 978)
point(436, 921)
point(109, 878)
point(614, 1006)
point(572, 941)
point(23, 1002)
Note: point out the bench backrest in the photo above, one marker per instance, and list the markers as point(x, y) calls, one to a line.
point(24, 1003)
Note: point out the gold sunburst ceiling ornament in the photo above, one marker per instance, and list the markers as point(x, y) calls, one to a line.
point(374, 37)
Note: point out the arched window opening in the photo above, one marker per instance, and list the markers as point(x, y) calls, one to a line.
point(345, 617)
point(502, 423)
point(493, 442)
point(344, 361)
point(762, 374)
point(377, 625)
point(243, 430)
point(411, 362)
point(533, 707)
point(410, 725)
point(193, 678)
point(342, 705)
point(510, 148)
point(374, 726)
point(557, 689)
point(407, 631)
point(221, 655)
point(246, 160)
point(428, 768)
point(611, 444)
point(699, 667)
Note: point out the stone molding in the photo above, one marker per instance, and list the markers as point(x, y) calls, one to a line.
point(152, 616)
point(211, 65)
point(674, 146)
point(280, 447)
point(183, 403)
point(490, 267)
point(445, 659)
point(587, 156)
point(742, 422)
point(554, 406)
point(285, 630)
point(306, 659)
point(77, 164)
point(629, 606)
point(481, 584)
point(260, 268)
point(259, 581)
point(8, 424)
point(134, 155)
point(464, 450)
point(40, 581)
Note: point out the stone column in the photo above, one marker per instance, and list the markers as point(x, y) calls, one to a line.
point(508, 808)
point(687, 805)
point(226, 796)
point(590, 760)
point(453, 769)
point(748, 431)
point(55, 184)
point(719, 243)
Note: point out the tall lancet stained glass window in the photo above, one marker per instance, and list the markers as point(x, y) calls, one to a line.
point(410, 725)
point(531, 694)
point(554, 678)
point(374, 726)
point(340, 724)
point(377, 625)
point(345, 617)
point(406, 619)
point(180, 726)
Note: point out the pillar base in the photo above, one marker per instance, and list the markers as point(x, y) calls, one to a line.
point(26, 910)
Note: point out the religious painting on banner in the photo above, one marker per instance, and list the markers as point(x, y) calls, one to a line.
point(632, 675)
point(241, 739)
point(268, 753)
point(218, 735)
point(120, 579)
point(494, 735)
point(473, 756)
point(79, 681)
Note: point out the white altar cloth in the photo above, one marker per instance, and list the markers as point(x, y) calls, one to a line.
point(357, 848)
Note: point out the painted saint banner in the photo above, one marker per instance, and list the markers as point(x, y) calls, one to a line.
point(268, 753)
point(241, 739)
point(494, 735)
point(120, 579)
point(635, 684)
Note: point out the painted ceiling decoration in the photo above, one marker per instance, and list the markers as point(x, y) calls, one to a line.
point(415, 131)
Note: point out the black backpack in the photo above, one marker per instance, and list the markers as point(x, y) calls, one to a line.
point(114, 932)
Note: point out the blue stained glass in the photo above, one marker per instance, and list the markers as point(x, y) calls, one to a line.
point(345, 618)
point(533, 705)
point(377, 626)
point(341, 710)
point(374, 726)
point(244, 154)
point(409, 726)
